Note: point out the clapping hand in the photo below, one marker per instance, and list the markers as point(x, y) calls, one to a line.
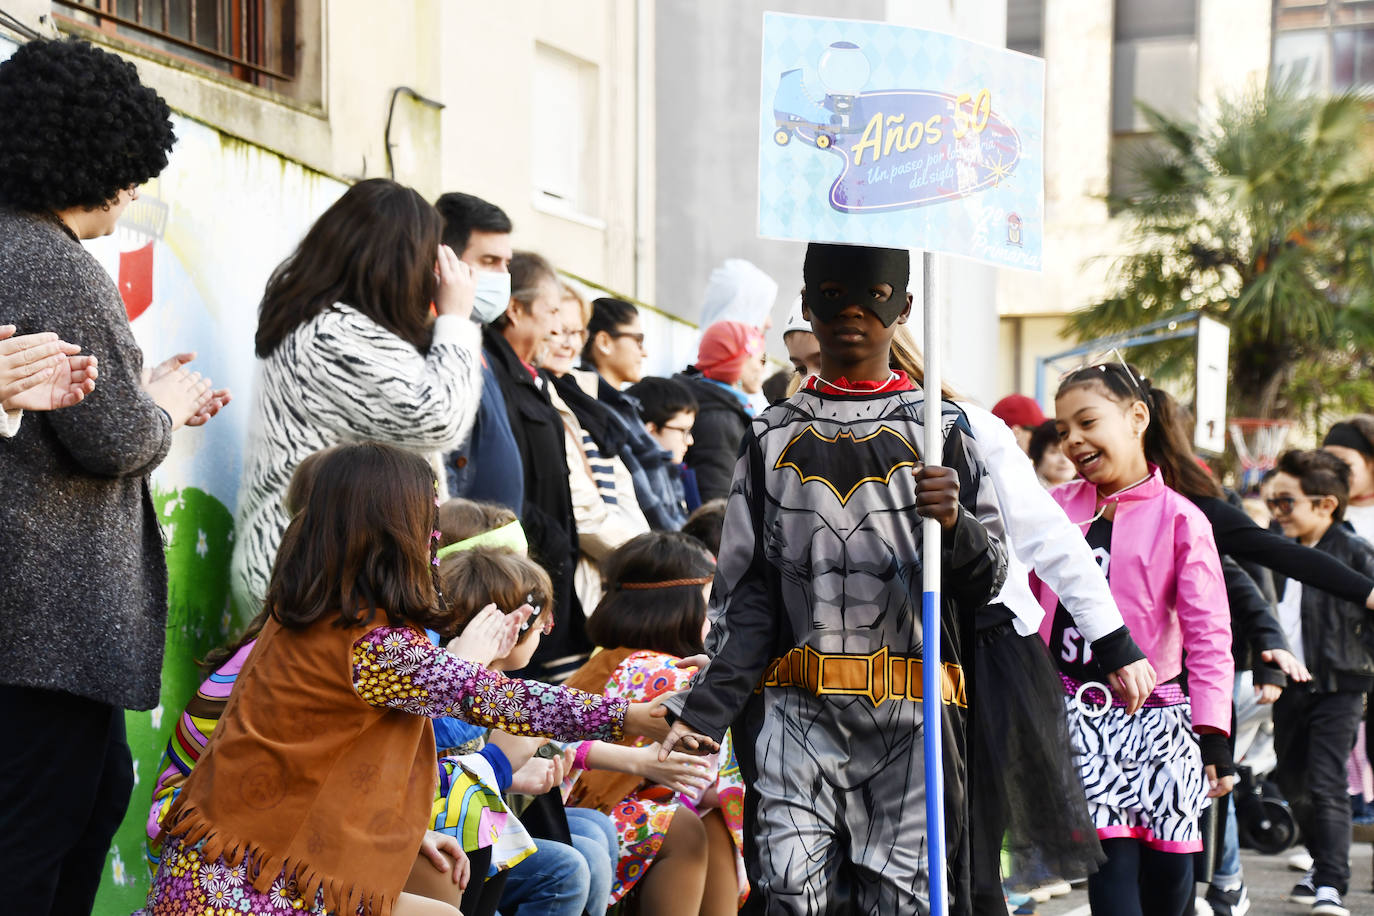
point(41, 372)
point(540, 774)
point(167, 374)
point(489, 635)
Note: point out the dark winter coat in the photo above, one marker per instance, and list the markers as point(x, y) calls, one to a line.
point(488, 466)
point(547, 515)
point(717, 434)
point(83, 578)
point(656, 485)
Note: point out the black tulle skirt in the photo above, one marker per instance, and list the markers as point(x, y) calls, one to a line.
point(1024, 786)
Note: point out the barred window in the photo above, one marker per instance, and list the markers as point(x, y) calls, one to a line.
point(249, 40)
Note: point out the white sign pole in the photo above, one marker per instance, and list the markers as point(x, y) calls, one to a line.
point(932, 682)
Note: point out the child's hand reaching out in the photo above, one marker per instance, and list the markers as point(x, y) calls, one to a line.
point(682, 738)
point(937, 494)
point(679, 772)
point(647, 720)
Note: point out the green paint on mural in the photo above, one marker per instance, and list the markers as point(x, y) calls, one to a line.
point(199, 531)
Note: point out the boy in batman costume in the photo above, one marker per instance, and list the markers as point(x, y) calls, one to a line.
point(816, 614)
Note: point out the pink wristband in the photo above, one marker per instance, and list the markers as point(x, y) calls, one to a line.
point(580, 758)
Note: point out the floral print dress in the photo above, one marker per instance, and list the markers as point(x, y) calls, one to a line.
point(393, 668)
point(642, 818)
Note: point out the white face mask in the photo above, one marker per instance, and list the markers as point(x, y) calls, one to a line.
point(492, 295)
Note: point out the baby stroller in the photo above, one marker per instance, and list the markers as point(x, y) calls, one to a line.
point(1264, 820)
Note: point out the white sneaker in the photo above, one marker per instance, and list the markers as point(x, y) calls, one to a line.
point(1300, 861)
point(1058, 888)
point(1039, 894)
point(1328, 903)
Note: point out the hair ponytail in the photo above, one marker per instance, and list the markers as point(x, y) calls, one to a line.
point(1167, 445)
point(906, 357)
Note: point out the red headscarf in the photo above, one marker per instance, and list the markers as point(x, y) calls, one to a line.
point(725, 347)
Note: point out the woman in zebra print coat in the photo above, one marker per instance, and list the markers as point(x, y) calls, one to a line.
point(350, 352)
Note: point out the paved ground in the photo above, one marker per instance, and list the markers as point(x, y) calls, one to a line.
point(1269, 880)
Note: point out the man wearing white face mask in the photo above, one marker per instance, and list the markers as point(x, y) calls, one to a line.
point(488, 465)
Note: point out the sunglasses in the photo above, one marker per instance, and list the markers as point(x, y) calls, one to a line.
point(1283, 505)
point(636, 336)
point(1105, 361)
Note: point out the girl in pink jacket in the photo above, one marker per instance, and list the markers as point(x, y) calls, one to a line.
point(1147, 777)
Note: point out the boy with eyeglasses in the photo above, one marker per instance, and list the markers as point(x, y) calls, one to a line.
point(1315, 723)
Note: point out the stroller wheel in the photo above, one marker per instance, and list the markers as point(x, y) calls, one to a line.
point(1271, 833)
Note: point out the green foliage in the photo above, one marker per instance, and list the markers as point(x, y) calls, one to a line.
point(1260, 217)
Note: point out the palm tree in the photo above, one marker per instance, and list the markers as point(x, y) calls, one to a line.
point(1262, 217)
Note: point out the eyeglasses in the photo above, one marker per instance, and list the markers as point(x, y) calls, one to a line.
point(685, 430)
point(636, 336)
point(1284, 504)
point(579, 335)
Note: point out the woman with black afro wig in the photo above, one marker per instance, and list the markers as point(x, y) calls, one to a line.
point(77, 129)
point(83, 577)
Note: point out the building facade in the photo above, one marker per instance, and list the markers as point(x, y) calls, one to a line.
point(1100, 56)
point(709, 58)
point(278, 106)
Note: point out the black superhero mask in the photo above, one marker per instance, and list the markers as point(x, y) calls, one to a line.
point(858, 269)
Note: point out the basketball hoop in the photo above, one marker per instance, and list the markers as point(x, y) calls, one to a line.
point(1257, 443)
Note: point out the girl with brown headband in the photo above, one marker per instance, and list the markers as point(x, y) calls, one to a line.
point(680, 846)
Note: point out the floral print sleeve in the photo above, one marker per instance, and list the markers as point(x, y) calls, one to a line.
point(399, 668)
point(646, 676)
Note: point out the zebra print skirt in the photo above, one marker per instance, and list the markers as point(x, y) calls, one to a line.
point(1142, 774)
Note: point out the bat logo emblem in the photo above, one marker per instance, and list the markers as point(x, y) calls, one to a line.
point(844, 462)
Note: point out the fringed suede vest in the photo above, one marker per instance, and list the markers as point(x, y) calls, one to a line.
point(309, 780)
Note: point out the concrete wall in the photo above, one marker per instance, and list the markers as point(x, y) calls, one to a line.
point(486, 67)
point(707, 81)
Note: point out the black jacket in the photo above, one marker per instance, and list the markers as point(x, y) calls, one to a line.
point(717, 434)
point(547, 514)
point(1254, 628)
point(1336, 638)
point(1239, 537)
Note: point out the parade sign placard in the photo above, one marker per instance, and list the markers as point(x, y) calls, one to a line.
point(878, 134)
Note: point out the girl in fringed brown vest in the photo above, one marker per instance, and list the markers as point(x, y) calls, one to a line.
point(315, 790)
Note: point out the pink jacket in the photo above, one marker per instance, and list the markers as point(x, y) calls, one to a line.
point(1166, 578)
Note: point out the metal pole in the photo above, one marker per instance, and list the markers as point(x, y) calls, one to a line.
point(932, 685)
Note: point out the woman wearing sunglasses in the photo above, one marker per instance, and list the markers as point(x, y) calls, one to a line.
point(614, 349)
